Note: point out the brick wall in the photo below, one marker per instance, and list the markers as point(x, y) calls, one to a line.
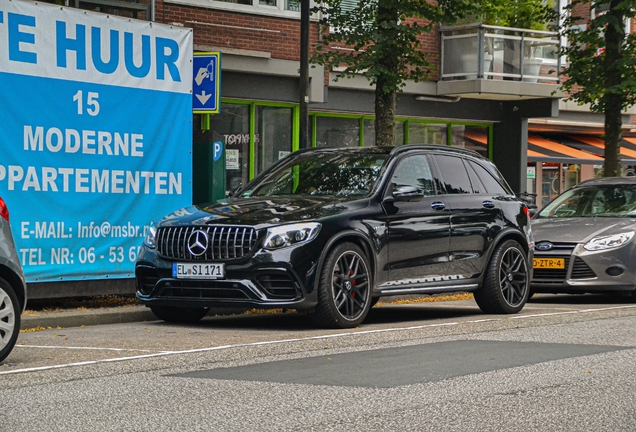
point(239, 30)
point(258, 33)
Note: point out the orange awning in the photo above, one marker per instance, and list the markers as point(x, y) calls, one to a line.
point(562, 149)
point(542, 149)
point(599, 143)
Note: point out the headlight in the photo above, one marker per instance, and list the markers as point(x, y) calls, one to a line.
point(609, 242)
point(149, 240)
point(288, 235)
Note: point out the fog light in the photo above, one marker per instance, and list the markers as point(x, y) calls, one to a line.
point(614, 271)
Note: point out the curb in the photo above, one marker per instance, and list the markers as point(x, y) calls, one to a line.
point(121, 314)
point(78, 318)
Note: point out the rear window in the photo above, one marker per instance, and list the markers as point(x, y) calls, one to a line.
point(489, 181)
point(454, 175)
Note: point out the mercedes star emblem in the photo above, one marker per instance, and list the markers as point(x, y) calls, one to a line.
point(198, 243)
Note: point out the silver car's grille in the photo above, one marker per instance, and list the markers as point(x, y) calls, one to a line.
point(580, 270)
point(558, 250)
point(223, 242)
point(552, 275)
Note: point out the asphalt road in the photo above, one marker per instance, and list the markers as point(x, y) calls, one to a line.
point(564, 363)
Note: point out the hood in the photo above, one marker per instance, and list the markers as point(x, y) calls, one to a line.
point(578, 230)
point(262, 211)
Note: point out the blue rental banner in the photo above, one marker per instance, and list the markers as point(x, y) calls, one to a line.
point(95, 137)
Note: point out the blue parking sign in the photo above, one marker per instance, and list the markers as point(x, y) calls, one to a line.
point(206, 87)
point(218, 150)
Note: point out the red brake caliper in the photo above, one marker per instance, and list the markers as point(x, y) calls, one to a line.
point(353, 282)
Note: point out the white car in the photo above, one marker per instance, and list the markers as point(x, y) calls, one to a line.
point(13, 289)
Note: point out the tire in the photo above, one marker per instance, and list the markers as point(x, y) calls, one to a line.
point(506, 286)
point(344, 291)
point(178, 314)
point(374, 301)
point(9, 318)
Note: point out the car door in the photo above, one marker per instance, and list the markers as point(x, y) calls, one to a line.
point(474, 215)
point(418, 229)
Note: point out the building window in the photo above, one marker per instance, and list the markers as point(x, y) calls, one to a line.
point(233, 124)
point(471, 137)
point(245, 2)
point(369, 133)
point(427, 133)
point(337, 132)
point(274, 132)
point(289, 8)
point(292, 5)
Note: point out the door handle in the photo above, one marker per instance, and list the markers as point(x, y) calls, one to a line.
point(438, 205)
point(488, 204)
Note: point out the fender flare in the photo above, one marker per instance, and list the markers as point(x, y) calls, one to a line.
point(367, 249)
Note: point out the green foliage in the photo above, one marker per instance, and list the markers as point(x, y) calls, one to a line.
point(587, 60)
point(379, 39)
point(525, 14)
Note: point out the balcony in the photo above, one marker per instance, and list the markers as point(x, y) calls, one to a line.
point(139, 9)
point(498, 62)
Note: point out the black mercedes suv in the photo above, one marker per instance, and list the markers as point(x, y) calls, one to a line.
point(329, 231)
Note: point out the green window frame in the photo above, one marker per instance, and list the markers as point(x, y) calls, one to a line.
point(313, 116)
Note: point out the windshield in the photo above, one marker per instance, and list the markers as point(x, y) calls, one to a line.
point(329, 173)
point(594, 201)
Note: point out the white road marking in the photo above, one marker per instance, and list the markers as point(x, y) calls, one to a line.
point(283, 341)
point(541, 315)
point(84, 348)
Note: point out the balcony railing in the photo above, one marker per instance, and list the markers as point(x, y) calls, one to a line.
point(140, 9)
point(500, 53)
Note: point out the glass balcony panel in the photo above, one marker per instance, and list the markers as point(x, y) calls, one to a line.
point(505, 54)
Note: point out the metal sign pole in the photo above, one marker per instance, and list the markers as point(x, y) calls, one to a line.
point(304, 74)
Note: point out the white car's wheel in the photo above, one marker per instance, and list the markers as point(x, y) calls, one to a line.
point(9, 318)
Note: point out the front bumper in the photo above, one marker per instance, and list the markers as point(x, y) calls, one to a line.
point(265, 280)
point(585, 271)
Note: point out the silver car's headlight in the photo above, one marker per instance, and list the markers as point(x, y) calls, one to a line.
point(288, 235)
point(149, 240)
point(609, 242)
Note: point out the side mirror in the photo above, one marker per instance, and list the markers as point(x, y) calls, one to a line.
point(408, 193)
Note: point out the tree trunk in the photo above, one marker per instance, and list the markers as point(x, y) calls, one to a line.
point(613, 102)
point(385, 91)
point(385, 106)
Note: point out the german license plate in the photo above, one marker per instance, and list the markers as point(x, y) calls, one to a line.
point(548, 263)
point(198, 271)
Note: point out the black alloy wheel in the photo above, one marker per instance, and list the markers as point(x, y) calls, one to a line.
point(179, 314)
point(344, 293)
point(9, 318)
point(506, 283)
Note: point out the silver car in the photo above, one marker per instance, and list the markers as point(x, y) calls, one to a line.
point(13, 290)
point(584, 239)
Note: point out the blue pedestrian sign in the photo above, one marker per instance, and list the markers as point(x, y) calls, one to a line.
point(206, 87)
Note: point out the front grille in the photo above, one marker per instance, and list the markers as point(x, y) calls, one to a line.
point(147, 278)
point(278, 286)
point(208, 290)
point(224, 242)
point(580, 270)
point(551, 275)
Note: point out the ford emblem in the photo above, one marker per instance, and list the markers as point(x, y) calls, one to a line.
point(544, 246)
